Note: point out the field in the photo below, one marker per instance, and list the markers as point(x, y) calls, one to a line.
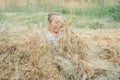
point(89, 47)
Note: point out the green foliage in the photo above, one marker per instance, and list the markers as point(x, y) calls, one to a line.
point(38, 14)
point(94, 11)
point(115, 11)
point(2, 16)
point(65, 11)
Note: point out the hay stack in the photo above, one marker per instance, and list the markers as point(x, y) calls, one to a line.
point(27, 55)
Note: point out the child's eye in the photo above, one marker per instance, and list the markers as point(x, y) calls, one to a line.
point(57, 22)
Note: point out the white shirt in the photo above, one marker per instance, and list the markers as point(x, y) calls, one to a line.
point(53, 38)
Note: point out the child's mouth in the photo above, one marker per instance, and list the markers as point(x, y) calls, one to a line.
point(56, 31)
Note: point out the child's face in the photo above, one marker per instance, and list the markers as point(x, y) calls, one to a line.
point(55, 23)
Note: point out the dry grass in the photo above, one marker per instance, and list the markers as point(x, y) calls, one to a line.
point(62, 3)
point(25, 54)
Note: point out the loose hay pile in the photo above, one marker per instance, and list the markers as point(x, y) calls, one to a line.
point(27, 55)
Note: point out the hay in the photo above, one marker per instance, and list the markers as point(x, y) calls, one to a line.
point(27, 55)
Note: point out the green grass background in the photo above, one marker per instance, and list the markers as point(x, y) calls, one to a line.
point(96, 16)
